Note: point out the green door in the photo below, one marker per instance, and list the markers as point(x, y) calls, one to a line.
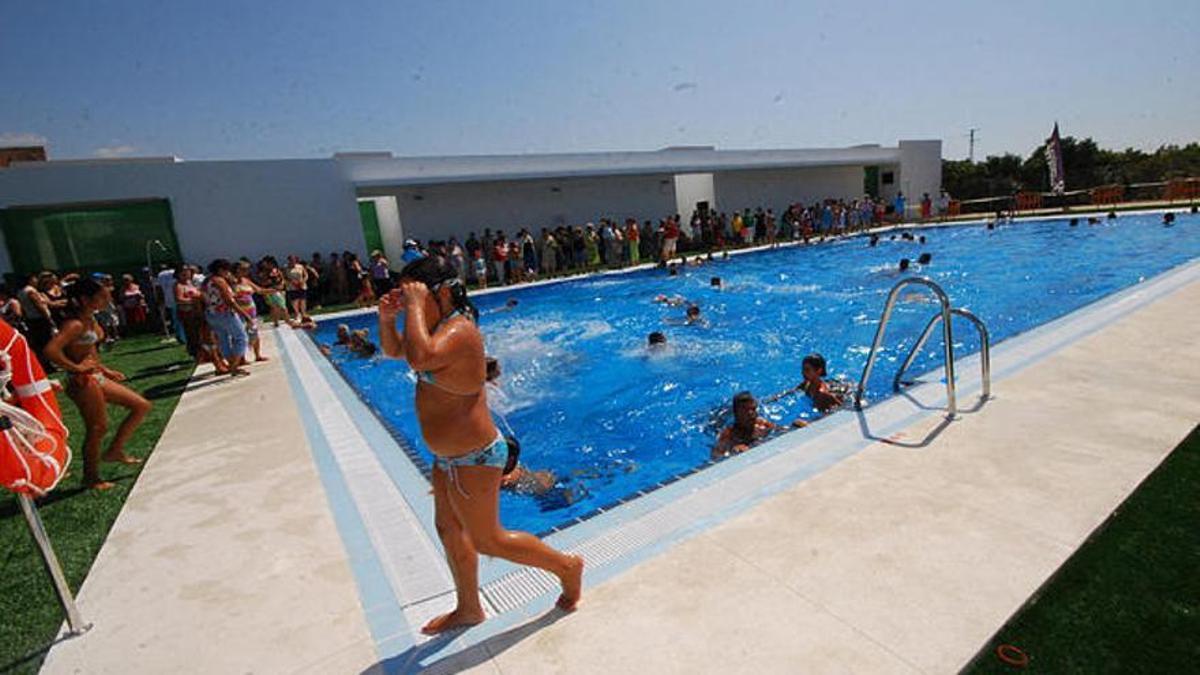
point(370, 225)
point(871, 181)
point(101, 237)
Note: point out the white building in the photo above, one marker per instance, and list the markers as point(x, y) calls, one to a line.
point(107, 214)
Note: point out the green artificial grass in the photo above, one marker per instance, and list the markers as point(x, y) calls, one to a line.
point(1129, 599)
point(78, 520)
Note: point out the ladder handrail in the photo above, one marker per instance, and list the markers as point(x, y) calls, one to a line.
point(985, 352)
point(947, 339)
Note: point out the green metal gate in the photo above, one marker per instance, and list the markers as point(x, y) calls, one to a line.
point(94, 237)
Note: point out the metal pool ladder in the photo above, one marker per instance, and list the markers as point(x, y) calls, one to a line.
point(943, 315)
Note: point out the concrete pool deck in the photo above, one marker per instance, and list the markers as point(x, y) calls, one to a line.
point(227, 555)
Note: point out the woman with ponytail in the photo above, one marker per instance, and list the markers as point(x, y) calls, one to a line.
point(91, 384)
point(442, 343)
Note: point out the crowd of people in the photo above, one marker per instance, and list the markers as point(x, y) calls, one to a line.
point(494, 258)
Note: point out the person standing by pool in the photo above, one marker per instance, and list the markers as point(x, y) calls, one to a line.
point(381, 276)
point(92, 385)
point(189, 308)
point(500, 259)
point(633, 239)
point(591, 243)
point(39, 317)
point(480, 267)
point(224, 316)
point(670, 237)
point(443, 344)
point(898, 206)
point(297, 288)
point(244, 289)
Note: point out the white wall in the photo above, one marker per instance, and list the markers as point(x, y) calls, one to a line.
point(778, 188)
point(920, 172)
point(691, 188)
point(220, 209)
point(457, 209)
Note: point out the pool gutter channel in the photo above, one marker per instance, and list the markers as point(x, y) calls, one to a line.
point(616, 537)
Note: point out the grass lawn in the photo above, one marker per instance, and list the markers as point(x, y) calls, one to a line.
point(1129, 599)
point(78, 520)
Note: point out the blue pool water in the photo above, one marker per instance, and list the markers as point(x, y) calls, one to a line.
point(590, 403)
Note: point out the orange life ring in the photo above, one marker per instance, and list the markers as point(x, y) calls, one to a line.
point(33, 439)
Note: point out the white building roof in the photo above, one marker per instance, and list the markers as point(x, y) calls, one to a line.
point(370, 170)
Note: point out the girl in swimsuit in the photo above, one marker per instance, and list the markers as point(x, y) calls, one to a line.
point(441, 341)
point(272, 285)
point(92, 385)
point(243, 292)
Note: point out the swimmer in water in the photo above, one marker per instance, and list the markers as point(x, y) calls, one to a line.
point(694, 318)
point(521, 480)
point(715, 282)
point(509, 306)
point(874, 241)
point(670, 301)
point(360, 344)
point(904, 263)
point(747, 428)
point(524, 481)
point(1168, 219)
point(814, 385)
point(656, 341)
point(925, 259)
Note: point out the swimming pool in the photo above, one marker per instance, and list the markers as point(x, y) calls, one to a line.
point(611, 420)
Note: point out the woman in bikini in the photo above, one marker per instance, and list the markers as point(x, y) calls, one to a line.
point(92, 385)
point(273, 283)
point(243, 293)
point(442, 343)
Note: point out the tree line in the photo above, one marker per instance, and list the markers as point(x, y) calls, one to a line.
point(1085, 164)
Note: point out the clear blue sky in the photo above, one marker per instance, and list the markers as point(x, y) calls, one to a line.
point(299, 78)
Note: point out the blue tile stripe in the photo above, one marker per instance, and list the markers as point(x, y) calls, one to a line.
point(385, 617)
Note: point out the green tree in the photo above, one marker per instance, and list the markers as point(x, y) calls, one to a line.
point(1085, 164)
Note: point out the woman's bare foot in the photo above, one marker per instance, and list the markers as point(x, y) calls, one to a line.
point(99, 485)
point(238, 372)
point(572, 584)
point(261, 358)
point(120, 458)
point(456, 619)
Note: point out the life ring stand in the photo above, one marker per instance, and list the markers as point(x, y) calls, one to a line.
point(33, 439)
point(34, 454)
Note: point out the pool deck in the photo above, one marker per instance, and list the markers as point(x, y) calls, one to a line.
point(903, 557)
